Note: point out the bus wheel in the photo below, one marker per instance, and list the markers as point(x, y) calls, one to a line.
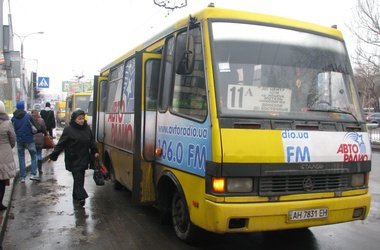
point(184, 229)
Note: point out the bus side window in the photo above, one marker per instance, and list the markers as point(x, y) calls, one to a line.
point(103, 96)
point(189, 93)
point(167, 74)
point(152, 74)
point(128, 97)
point(114, 90)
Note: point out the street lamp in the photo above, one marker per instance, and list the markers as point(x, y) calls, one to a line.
point(22, 79)
point(22, 39)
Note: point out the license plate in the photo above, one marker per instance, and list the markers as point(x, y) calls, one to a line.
point(309, 214)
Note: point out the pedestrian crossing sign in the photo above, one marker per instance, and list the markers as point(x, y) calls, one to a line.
point(43, 82)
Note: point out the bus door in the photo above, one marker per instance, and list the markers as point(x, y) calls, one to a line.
point(147, 73)
point(99, 106)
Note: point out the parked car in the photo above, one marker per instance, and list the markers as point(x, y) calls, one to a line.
point(373, 118)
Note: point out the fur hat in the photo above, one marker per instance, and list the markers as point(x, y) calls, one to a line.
point(2, 107)
point(20, 105)
point(77, 113)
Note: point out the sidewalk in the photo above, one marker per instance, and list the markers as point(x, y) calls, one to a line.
point(9, 189)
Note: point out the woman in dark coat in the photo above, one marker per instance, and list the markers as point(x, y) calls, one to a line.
point(78, 142)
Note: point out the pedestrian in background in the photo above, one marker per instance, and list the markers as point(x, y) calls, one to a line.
point(7, 142)
point(39, 137)
point(48, 115)
point(78, 142)
point(22, 123)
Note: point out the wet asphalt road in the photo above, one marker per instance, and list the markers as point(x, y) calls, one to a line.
point(43, 216)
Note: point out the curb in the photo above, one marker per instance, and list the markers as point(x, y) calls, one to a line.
point(4, 217)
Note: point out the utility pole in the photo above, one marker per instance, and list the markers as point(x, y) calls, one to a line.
point(1, 41)
point(24, 86)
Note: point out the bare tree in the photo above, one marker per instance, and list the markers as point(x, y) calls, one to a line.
point(368, 89)
point(171, 4)
point(366, 28)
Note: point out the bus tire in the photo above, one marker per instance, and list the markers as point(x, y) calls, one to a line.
point(183, 227)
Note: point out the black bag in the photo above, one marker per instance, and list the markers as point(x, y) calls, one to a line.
point(98, 176)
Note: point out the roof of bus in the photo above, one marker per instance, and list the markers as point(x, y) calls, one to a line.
point(227, 14)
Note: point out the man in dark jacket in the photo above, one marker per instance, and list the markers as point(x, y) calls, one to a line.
point(48, 115)
point(22, 123)
point(78, 143)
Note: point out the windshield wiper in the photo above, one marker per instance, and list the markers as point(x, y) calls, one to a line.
point(335, 110)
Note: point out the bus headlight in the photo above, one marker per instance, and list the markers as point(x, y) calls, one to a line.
point(239, 185)
point(357, 180)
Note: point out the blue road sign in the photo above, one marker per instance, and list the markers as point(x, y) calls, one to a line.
point(43, 82)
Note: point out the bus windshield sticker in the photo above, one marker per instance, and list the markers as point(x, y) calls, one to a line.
point(242, 97)
point(224, 67)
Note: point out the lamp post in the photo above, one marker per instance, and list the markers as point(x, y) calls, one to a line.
point(22, 79)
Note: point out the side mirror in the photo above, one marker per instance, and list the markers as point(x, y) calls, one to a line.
point(185, 54)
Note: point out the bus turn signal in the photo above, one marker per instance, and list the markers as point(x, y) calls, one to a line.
point(218, 185)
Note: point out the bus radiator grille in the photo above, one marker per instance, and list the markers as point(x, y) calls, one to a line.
point(284, 185)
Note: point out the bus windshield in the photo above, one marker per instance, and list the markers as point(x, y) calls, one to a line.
point(264, 72)
point(82, 102)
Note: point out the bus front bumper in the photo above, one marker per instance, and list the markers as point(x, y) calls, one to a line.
point(269, 216)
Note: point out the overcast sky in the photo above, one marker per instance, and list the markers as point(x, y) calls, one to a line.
point(82, 36)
